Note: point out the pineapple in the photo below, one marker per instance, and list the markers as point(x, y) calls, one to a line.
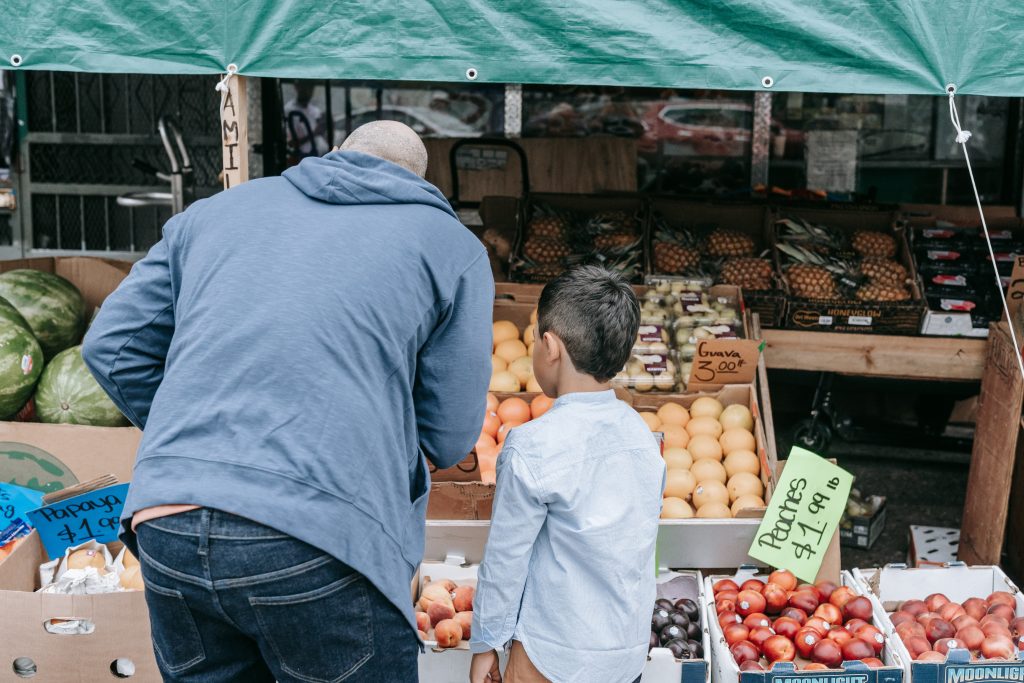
point(874, 244)
point(612, 221)
point(883, 291)
point(729, 243)
point(675, 259)
point(811, 282)
point(547, 226)
point(748, 273)
point(614, 241)
point(545, 250)
point(542, 273)
point(883, 270)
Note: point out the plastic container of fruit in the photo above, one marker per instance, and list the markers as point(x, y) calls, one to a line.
point(901, 591)
point(684, 592)
point(653, 339)
point(677, 284)
point(647, 371)
point(793, 644)
point(655, 309)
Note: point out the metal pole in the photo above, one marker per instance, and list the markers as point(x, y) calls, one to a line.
point(513, 110)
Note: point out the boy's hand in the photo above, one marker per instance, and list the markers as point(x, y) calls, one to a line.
point(484, 668)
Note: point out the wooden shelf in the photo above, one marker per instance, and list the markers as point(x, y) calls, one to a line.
point(925, 358)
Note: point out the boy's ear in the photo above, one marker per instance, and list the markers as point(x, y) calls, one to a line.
point(551, 346)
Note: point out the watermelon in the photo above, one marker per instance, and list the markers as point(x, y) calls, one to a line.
point(68, 393)
point(21, 364)
point(9, 314)
point(52, 306)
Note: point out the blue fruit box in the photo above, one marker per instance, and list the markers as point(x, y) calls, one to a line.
point(890, 586)
point(725, 670)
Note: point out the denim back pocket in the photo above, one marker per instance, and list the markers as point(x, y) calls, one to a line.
point(340, 616)
point(178, 648)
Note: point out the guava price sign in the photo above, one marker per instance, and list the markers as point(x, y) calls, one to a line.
point(91, 516)
point(803, 514)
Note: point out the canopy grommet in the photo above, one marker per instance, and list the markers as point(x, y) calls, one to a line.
point(472, 74)
point(232, 68)
point(951, 88)
point(16, 60)
point(767, 81)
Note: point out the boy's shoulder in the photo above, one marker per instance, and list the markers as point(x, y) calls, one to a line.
point(559, 424)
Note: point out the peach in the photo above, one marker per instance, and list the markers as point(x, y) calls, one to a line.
point(463, 600)
point(421, 634)
point(465, 620)
point(422, 621)
point(448, 633)
point(439, 611)
point(448, 584)
point(435, 593)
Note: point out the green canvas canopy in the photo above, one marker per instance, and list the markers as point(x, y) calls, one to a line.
point(852, 46)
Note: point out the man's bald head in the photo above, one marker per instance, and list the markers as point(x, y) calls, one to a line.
point(391, 141)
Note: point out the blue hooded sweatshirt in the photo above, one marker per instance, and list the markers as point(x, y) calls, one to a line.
point(296, 349)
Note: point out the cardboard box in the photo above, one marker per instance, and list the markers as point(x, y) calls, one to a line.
point(862, 532)
point(893, 584)
point(932, 546)
point(57, 456)
point(579, 205)
point(437, 665)
point(661, 666)
point(725, 670)
point(852, 315)
point(96, 278)
point(749, 218)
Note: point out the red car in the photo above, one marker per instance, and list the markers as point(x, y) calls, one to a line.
point(705, 128)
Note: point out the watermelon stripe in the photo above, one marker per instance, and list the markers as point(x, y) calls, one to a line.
point(52, 306)
point(68, 393)
point(21, 364)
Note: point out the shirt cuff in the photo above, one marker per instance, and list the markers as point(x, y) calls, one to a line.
point(479, 647)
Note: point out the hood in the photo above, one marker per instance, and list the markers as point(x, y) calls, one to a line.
point(357, 178)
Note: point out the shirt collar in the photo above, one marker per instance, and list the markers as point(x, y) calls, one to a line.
point(591, 397)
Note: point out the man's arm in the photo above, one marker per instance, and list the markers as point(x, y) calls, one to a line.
point(520, 509)
point(126, 346)
point(454, 369)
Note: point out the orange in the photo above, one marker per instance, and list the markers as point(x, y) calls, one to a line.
point(540, 405)
point(484, 441)
point(491, 424)
point(488, 460)
point(492, 403)
point(514, 409)
point(505, 429)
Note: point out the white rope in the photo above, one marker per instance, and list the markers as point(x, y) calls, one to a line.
point(222, 86)
point(962, 136)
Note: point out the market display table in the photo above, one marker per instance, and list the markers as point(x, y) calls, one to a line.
point(869, 355)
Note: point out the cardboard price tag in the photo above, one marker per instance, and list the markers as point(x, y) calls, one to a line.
point(91, 516)
point(724, 361)
point(802, 515)
point(16, 501)
point(1015, 292)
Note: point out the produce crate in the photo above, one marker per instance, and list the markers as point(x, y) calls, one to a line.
point(712, 543)
point(853, 315)
point(893, 584)
point(861, 531)
point(576, 210)
point(662, 667)
point(748, 218)
point(725, 669)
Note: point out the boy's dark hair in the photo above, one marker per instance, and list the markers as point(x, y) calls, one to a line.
point(596, 315)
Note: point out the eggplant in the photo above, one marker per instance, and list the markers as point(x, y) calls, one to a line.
point(679, 648)
point(671, 632)
point(696, 648)
point(693, 631)
point(664, 604)
point(689, 608)
point(660, 620)
point(655, 641)
point(679, 619)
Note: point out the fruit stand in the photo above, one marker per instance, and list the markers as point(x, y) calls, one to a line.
point(775, 271)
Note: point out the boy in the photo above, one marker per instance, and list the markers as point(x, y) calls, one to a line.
point(568, 574)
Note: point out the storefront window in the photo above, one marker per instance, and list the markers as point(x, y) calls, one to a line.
point(891, 148)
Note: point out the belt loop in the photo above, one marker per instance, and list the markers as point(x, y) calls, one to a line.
point(205, 523)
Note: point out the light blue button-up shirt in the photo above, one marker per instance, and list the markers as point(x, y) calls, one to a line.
point(569, 565)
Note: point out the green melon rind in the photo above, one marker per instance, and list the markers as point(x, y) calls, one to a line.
point(68, 393)
point(21, 364)
point(9, 314)
point(52, 306)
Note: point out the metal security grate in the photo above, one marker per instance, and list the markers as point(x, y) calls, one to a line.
point(84, 133)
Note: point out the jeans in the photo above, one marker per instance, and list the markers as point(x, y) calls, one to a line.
point(232, 600)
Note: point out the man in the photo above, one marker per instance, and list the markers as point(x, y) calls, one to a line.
point(297, 349)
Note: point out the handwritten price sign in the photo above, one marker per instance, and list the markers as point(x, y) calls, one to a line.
point(16, 501)
point(803, 514)
point(724, 361)
point(91, 516)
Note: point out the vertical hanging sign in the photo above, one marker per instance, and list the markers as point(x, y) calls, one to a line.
point(234, 115)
